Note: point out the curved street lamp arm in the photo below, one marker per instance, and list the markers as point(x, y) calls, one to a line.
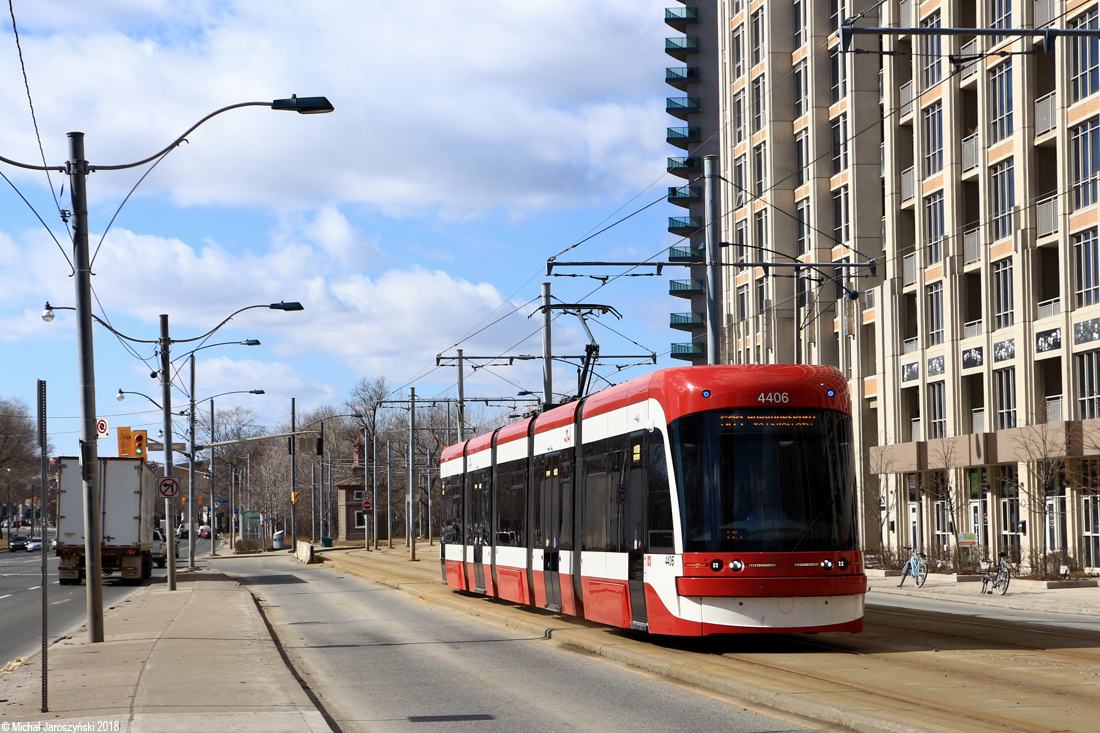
point(179, 139)
point(273, 306)
point(17, 164)
point(103, 323)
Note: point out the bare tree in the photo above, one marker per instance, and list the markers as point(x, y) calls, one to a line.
point(1045, 447)
point(878, 501)
point(941, 462)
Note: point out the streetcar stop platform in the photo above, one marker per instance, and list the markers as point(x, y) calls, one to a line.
point(203, 658)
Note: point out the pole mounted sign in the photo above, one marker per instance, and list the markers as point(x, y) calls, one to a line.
point(168, 486)
point(102, 428)
point(367, 504)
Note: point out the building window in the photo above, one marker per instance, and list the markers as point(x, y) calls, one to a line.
point(1090, 537)
point(801, 92)
point(1004, 198)
point(738, 53)
point(1002, 294)
point(758, 110)
point(1086, 261)
point(931, 64)
point(760, 225)
point(360, 520)
point(839, 131)
point(1085, 152)
point(801, 158)
point(941, 529)
point(799, 23)
point(1000, 15)
point(1004, 388)
point(739, 117)
point(838, 13)
point(933, 139)
point(743, 302)
point(802, 216)
point(740, 182)
point(761, 297)
point(937, 413)
point(1088, 384)
point(935, 314)
point(838, 76)
point(933, 226)
point(756, 27)
point(840, 215)
point(741, 238)
point(1084, 58)
point(760, 169)
point(1000, 101)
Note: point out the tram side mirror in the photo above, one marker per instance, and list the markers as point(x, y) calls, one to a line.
point(1022, 527)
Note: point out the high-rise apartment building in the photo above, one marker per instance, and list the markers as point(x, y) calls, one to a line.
point(966, 166)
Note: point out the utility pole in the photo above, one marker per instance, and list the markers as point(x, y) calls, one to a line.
point(293, 477)
point(547, 357)
point(166, 395)
point(461, 400)
point(411, 478)
point(213, 504)
point(374, 483)
point(89, 435)
point(710, 211)
point(389, 494)
point(191, 475)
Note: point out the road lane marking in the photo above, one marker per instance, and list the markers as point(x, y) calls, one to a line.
point(7, 596)
point(35, 587)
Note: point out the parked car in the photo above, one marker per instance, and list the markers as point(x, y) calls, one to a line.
point(181, 532)
point(34, 544)
point(204, 531)
point(18, 542)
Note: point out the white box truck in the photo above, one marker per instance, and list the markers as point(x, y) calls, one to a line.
point(127, 489)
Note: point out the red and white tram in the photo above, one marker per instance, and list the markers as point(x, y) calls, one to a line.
point(692, 501)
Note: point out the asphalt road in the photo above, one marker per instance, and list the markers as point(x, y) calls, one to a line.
point(21, 603)
point(379, 660)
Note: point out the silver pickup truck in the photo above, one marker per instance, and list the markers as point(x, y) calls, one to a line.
point(160, 549)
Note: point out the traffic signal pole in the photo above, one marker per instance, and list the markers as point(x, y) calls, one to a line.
point(166, 395)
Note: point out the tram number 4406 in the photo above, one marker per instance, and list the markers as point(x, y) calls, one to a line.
point(774, 398)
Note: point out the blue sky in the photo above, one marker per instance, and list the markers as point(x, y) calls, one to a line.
point(470, 143)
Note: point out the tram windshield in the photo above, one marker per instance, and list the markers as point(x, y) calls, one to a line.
point(753, 480)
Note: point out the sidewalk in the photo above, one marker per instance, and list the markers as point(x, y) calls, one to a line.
point(197, 658)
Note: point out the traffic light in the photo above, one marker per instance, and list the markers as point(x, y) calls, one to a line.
point(293, 497)
point(200, 499)
point(125, 442)
point(138, 439)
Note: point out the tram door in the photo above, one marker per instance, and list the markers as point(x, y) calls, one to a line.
point(550, 515)
point(636, 528)
point(478, 526)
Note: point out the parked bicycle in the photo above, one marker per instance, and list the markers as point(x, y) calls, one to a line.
point(995, 577)
point(917, 566)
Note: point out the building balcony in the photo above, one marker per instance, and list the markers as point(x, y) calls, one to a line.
point(908, 184)
point(905, 102)
point(1050, 308)
point(977, 420)
point(681, 47)
point(685, 253)
point(1054, 408)
point(687, 321)
point(1045, 11)
point(681, 76)
point(682, 137)
point(970, 50)
point(972, 246)
point(909, 270)
point(687, 351)
point(911, 345)
point(684, 166)
point(972, 329)
point(685, 195)
point(682, 106)
point(971, 152)
point(1046, 114)
point(905, 15)
point(1046, 216)
point(685, 288)
point(680, 18)
point(684, 224)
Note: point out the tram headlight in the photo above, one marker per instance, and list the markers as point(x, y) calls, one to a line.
point(716, 565)
point(842, 563)
point(827, 564)
point(737, 566)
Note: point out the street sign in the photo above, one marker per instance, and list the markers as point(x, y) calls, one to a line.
point(102, 428)
point(168, 486)
point(367, 504)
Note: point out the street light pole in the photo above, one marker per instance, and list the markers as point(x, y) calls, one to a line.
point(213, 505)
point(293, 477)
point(191, 475)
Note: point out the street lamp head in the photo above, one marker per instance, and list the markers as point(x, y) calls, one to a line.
point(47, 315)
point(304, 105)
point(283, 306)
point(250, 342)
point(256, 391)
point(121, 396)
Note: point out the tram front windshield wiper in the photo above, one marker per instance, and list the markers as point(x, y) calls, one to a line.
point(817, 518)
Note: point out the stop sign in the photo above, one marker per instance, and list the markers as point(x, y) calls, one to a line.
point(367, 504)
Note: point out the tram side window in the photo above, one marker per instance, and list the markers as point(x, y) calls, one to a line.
point(565, 539)
point(477, 528)
point(537, 483)
point(616, 499)
point(659, 509)
point(451, 532)
point(511, 498)
point(695, 511)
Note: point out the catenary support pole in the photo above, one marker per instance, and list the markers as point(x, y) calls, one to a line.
point(89, 434)
point(191, 475)
point(461, 399)
point(374, 483)
point(411, 478)
point(710, 223)
point(293, 477)
point(213, 503)
point(44, 466)
point(389, 493)
point(547, 357)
